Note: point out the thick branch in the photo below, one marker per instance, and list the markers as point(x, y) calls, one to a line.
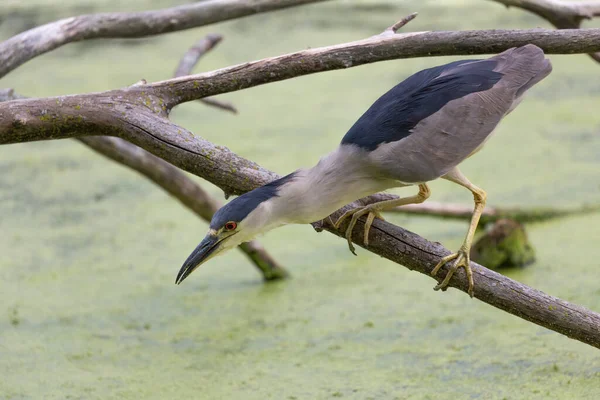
point(176, 183)
point(377, 48)
point(561, 14)
point(29, 44)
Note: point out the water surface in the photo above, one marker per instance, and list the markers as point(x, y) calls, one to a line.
point(89, 250)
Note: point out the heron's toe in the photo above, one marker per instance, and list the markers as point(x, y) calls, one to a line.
point(349, 239)
point(372, 215)
point(462, 259)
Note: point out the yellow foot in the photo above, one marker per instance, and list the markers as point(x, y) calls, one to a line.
point(356, 214)
point(462, 260)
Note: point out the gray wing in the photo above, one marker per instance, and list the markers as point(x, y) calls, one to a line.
point(444, 139)
point(393, 116)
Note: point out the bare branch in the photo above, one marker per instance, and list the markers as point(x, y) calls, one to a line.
point(176, 183)
point(490, 214)
point(223, 105)
point(29, 44)
point(394, 28)
point(561, 14)
point(270, 268)
point(377, 48)
point(190, 59)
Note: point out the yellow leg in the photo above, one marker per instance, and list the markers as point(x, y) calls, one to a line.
point(374, 212)
point(462, 258)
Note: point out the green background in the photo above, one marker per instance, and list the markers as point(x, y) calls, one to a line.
point(89, 250)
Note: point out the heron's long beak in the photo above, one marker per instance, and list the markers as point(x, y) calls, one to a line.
point(203, 252)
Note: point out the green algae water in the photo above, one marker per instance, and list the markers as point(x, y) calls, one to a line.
point(89, 250)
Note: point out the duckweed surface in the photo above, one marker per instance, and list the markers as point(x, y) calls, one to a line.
point(89, 250)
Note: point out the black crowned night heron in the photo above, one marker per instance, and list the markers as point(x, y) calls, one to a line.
point(420, 130)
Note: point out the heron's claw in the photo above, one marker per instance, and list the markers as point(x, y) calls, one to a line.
point(462, 259)
point(356, 214)
point(345, 215)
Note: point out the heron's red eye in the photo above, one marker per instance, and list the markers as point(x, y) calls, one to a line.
point(230, 226)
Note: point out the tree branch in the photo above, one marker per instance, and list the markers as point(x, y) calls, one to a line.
point(394, 28)
point(459, 211)
point(191, 58)
point(193, 55)
point(139, 115)
point(374, 49)
point(490, 214)
point(42, 39)
point(561, 14)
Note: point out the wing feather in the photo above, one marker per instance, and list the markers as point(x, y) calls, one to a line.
point(396, 113)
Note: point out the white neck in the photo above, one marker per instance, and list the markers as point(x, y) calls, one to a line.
point(338, 179)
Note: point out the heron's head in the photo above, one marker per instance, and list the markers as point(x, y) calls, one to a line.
point(238, 221)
